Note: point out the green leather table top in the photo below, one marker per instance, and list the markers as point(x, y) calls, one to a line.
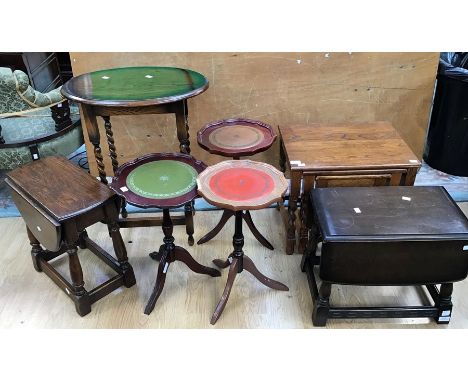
point(135, 85)
point(163, 179)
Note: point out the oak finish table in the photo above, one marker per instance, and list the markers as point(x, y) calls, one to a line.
point(241, 185)
point(386, 236)
point(163, 180)
point(133, 91)
point(236, 138)
point(56, 216)
point(341, 154)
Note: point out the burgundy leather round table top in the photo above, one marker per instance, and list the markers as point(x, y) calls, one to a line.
point(161, 180)
point(242, 184)
point(236, 137)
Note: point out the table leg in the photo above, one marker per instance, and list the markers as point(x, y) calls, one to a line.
point(36, 250)
point(233, 270)
point(445, 303)
point(322, 305)
point(410, 176)
point(81, 297)
point(306, 210)
point(293, 197)
point(91, 125)
point(188, 212)
point(249, 266)
point(210, 235)
point(113, 155)
point(248, 219)
point(181, 112)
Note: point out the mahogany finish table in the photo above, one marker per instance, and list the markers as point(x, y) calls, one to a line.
point(133, 91)
point(236, 138)
point(58, 201)
point(341, 154)
point(163, 180)
point(386, 236)
point(241, 185)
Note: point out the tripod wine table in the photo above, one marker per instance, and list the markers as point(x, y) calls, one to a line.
point(240, 185)
point(236, 138)
point(163, 180)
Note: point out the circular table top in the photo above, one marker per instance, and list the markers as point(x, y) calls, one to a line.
point(162, 180)
point(135, 86)
point(236, 137)
point(242, 185)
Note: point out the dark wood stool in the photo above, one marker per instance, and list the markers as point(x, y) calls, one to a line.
point(236, 138)
point(385, 236)
point(241, 185)
point(163, 180)
point(58, 201)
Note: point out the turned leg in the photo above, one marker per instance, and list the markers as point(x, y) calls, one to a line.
point(159, 285)
point(113, 154)
point(293, 197)
point(121, 254)
point(184, 256)
point(81, 298)
point(182, 126)
point(36, 250)
point(61, 115)
point(90, 122)
point(233, 270)
point(188, 211)
point(210, 235)
point(322, 305)
point(250, 267)
point(248, 219)
point(445, 303)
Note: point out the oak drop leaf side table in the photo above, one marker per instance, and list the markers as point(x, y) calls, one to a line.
point(236, 138)
point(133, 91)
point(58, 201)
point(163, 180)
point(386, 236)
point(241, 185)
point(338, 155)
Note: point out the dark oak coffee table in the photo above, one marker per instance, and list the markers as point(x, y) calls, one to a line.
point(133, 91)
point(163, 180)
point(340, 154)
point(386, 236)
point(240, 185)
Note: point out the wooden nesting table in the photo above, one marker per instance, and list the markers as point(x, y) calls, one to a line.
point(340, 154)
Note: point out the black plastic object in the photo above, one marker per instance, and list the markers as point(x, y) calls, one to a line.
point(447, 138)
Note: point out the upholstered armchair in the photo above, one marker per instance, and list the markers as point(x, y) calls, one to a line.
point(17, 98)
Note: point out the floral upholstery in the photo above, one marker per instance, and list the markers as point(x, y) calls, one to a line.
point(17, 96)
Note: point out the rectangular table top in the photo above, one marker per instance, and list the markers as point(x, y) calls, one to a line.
point(59, 187)
point(388, 213)
point(344, 146)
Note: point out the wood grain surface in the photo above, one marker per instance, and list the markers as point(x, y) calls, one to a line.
point(343, 146)
point(279, 89)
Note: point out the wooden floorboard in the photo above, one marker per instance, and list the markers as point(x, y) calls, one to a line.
point(31, 300)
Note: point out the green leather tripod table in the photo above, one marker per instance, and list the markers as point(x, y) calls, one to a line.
point(236, 138)
point(163, 180)
point(134, 91)
point(240, 185)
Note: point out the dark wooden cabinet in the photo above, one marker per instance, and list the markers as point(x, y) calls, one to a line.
point(45, 70)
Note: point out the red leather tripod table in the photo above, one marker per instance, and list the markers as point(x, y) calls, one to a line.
point(236, 138)
point(163, 180)
point(240, 185)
